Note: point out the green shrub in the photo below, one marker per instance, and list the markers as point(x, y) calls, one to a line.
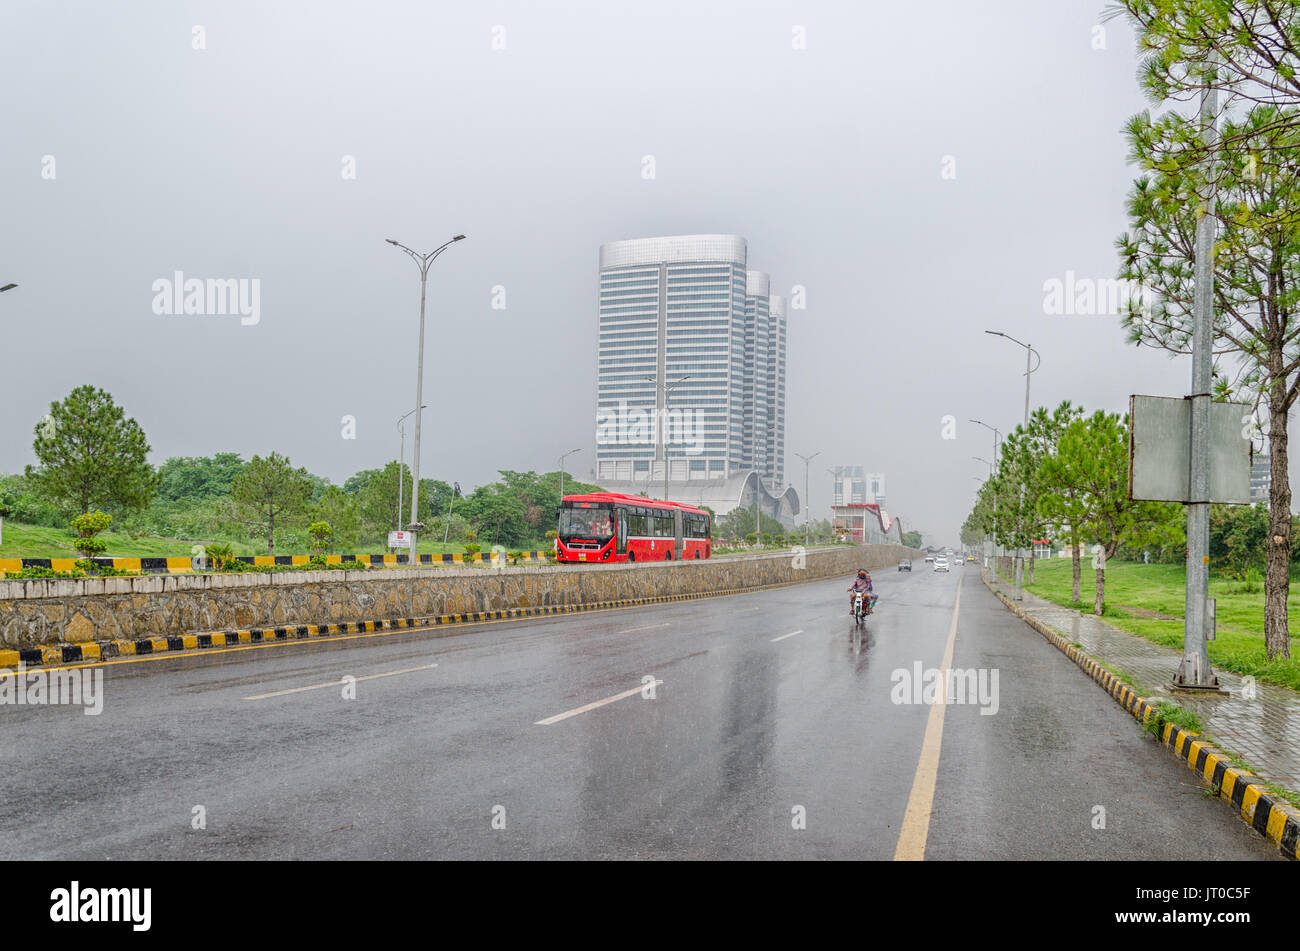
point(87, 526)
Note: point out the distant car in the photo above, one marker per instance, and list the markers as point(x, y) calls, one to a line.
point(941, 564)
point(929, 559)
point(905, 565)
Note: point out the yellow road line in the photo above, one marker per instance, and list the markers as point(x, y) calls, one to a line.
point(916, 821)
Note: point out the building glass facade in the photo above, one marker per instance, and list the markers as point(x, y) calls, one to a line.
point(679, 307)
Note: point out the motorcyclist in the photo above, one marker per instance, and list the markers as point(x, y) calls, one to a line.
point(862, 583)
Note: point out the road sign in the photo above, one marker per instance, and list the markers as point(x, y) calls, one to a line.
point(1159, 445)
point(399, 539)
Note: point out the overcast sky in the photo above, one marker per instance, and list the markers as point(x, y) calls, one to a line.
point(230, 161)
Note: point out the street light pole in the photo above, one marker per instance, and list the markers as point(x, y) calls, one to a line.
point(663, 429)
point(401, 464)
point(994, 545)
point(1029, 352)
point(562, 458)
point(423, 261)
point(806, 513)
point(1194, 671)
point(455, 491)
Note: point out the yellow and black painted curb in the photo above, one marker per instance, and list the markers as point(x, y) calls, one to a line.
point(92, 651)
point(1269, 815)
point(180, 566)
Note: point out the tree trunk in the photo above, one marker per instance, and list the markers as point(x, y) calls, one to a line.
point(1101, 591)
point(1277, 571)
point(1029, 577)
point(270, 535)
point(1075, 564)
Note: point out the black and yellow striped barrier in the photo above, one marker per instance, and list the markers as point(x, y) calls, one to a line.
point(1270, 815)
point(102, 650)
point(177, 566)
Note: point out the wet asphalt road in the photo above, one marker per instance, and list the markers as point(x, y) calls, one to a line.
point(750, 734)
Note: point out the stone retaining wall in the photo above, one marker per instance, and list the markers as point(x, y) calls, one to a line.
point(39, 612)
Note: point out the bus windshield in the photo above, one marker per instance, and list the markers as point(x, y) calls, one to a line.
point(595, 522)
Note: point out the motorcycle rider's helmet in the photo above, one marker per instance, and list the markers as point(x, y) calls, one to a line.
point(862, 572)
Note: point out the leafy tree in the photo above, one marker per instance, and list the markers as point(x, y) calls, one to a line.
point(1256, 288)
point(377, 499)
point(335, 507)
point(1023, 454)
point(1064, 503)
point(1239, 537)
point(92, 454)
point(270, 490)
point(1250, 52)
point(198, 477)
point(913, 539)
point(25, 503)
point(435, 495)
point(1092, 462)
point(739, 523)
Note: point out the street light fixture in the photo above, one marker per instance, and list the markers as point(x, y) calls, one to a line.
point(562, 458)
point(663, 428)
point(423, 261)
point(7, 287)
point(401, 462)
point(1029, 351)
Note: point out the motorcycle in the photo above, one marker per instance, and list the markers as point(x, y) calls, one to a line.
point(861, 608)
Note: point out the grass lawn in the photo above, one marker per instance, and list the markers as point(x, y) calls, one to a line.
point(1239, 646)
point(35, 541)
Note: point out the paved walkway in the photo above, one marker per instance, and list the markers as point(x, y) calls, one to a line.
point(1263, 731)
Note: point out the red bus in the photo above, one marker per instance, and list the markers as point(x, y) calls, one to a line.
point(610, 526)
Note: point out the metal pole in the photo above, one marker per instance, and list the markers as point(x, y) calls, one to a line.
point(561, 463)
point(806, 511)
point(663, 440)
point(662, 427)
point(419, 401)
point(1194, 670)
point(401, 463)
point(424, 261)
point(455, 490)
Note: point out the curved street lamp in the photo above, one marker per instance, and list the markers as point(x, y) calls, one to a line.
point(423, 261)
point(562, 458)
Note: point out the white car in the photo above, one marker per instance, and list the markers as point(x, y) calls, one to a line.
point(929, 559)
point(941, 564)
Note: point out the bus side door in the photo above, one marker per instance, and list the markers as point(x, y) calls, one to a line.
point(677, 534)
point(620, 517)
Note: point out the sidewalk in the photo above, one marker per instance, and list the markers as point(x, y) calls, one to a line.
point(1264, 732)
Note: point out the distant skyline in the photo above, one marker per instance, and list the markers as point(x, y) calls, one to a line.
point(920, 187)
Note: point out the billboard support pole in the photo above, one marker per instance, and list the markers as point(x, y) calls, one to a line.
point(1194, 672)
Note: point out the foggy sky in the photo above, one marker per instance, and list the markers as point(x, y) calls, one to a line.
point(226, 162)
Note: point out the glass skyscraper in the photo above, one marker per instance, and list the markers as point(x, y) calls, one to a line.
point(685, 306)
